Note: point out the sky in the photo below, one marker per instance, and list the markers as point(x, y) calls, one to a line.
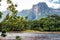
point(27, 4)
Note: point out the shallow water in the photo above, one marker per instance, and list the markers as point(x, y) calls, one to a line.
point(32, 36)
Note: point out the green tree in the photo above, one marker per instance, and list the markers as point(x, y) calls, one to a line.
point(0, 14)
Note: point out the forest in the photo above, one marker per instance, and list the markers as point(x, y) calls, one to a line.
point(17, 23)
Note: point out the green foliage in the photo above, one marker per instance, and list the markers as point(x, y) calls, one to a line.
point(3, 35)
point(0, 14)
point(18, 38)
point(3, 31)
point(9, 1)
point(20, 24)
point(15, 5)
point(16, 23)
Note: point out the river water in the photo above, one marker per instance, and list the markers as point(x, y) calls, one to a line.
point(32, 36)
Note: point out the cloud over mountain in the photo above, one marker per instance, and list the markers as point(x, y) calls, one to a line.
point(55, 1)
point(22, 4)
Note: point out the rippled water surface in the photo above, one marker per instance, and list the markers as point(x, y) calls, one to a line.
point(32, 36)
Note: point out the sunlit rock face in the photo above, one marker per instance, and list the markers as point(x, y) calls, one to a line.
point(40, 10)
point(36, 11)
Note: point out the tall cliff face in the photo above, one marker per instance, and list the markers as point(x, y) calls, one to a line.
point(38, 11)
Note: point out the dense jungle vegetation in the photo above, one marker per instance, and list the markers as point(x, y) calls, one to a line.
point(16, 23)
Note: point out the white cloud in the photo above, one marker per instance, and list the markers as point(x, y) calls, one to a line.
point(27, 4)
point(3, 5)
point(53, 5)
point(55, 1)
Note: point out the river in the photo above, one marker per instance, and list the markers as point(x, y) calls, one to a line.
point(32, 36)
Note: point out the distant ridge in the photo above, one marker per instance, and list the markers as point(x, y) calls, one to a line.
point(38, 11)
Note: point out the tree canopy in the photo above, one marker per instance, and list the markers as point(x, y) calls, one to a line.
point(17, 23)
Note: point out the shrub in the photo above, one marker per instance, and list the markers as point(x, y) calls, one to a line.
point(18, 38)
point(3, 34)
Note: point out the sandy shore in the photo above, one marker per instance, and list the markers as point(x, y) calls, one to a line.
point(36, 32)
